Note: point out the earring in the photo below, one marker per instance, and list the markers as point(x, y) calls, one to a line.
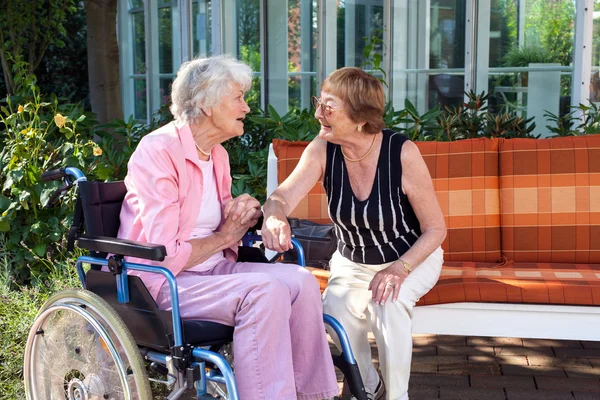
point(359, 128)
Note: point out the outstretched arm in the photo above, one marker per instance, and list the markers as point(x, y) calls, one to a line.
point(276, 231)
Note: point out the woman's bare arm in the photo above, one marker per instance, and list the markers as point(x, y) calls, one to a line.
point(276, 230)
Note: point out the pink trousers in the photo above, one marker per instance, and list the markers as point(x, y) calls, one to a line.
point(279, 343)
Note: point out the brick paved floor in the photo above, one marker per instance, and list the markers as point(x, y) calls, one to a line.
point(479, 368)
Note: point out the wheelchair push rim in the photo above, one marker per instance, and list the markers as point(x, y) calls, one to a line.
point(79, 349)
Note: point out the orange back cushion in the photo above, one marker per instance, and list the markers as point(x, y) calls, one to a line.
point(314, 205)
point(465, 178)
point(550, 199)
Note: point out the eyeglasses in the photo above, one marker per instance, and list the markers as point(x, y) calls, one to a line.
point(325, 108)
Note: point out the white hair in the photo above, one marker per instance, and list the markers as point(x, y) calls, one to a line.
point(203, 82)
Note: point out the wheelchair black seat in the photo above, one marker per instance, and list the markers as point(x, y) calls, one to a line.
point(97, 210)
point(149, 325)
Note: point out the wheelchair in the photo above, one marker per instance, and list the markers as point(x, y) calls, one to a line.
point(98, 342)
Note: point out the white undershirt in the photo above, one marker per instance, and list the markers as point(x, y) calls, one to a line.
point(210, 214)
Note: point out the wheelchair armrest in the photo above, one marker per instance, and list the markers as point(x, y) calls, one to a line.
point(123, 247)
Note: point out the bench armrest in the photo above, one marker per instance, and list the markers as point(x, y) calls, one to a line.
point(123, 247)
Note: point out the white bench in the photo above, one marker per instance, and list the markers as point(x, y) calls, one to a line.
point(536, 321)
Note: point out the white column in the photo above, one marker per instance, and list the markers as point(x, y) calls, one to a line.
point(543, 95)
point(521, 16)
point(277, 55)
point(470, 48)
point(388, 46)
point(216, 42)
point(305, 51)
point(152, 58)
point(582, 54)
point(228, 27)
point(327, 39)
point(423, 49)
point(126, 42)
point(399, 52)
point(482, 41)
point(201, 28)
point(350, 33)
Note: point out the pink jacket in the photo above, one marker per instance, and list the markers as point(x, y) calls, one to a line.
point(164, 188)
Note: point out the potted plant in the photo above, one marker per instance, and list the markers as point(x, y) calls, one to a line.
point(522, 56)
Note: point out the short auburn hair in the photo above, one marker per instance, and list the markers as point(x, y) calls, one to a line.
point(362, 94)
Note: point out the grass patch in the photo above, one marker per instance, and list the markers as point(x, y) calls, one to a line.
point(18, 308)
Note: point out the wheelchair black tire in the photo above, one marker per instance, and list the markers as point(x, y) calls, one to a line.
point(67, 341)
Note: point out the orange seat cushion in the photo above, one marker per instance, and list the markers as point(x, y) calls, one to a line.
point(534, 283)
point(550, 199)
point(465, 178)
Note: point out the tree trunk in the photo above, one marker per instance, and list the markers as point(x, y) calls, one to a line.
point(103, 59)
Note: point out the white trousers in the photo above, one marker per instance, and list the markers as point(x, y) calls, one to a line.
point(348, 300)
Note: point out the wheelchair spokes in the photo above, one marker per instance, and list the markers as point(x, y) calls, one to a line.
point(79, 349)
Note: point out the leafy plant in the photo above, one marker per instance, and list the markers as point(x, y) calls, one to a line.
point(419, 126)
point(37, 136)
point(587, 118)
point(522, 56)
point(372, 53)
point(119, 140)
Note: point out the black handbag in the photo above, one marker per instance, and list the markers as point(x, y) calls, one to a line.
point(318, 242)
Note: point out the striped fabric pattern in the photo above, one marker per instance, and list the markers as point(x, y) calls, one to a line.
point(314, 205)
point(465, 178)
point(533, 283)
point(382, 227)
point(550, 199)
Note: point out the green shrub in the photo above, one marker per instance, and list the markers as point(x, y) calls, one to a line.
point(37, 136)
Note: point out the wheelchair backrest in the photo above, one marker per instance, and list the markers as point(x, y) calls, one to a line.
point(101, 203)
point(100, 208)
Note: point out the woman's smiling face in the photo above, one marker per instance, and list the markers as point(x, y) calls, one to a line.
point(334, 120)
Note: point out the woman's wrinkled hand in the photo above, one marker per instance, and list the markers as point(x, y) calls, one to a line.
point(386, 282)
point(276, 234)
point(233, 230)
point(242, 208)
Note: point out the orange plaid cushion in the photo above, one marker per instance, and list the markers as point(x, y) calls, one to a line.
point(541, 283)
point(465, 178)
point(550, 199)
point(314, 205)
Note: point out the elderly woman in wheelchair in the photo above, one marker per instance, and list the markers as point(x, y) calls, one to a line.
point(177, 194)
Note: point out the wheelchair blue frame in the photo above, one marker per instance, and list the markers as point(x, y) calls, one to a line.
point(227, 376)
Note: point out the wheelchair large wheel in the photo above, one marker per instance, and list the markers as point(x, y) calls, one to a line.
point(79, 349)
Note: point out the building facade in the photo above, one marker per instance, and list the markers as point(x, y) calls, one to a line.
point(530, 56)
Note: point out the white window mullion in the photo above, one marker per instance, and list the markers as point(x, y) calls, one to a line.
point(126, 57)
point(582, 54)
point(388, 46)
point(215, 10)
point(470, 46)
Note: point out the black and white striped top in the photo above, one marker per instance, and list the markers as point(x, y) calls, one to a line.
point(381, 228)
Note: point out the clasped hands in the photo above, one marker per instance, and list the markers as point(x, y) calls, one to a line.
point(240, 214)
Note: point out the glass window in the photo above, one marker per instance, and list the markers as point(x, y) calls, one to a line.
point(165, 39)
point(201, 28)
point(360, 27)
point(530, 57)
point(302, 36)
point(428, 58)
point(140, 99)
point(248, 46)
point(139, 42)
